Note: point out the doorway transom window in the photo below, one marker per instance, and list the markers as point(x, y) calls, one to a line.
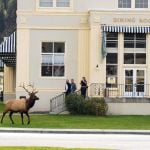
point(134, 48)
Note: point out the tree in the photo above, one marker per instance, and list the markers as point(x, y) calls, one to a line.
point(2, 24)
point(7, 17)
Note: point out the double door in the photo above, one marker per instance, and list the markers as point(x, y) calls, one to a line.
point(134, 83)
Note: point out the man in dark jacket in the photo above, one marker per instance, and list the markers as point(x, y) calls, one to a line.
point(73, 86)
point(67, 87)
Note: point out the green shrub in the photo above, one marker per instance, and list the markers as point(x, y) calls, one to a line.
point(96, 106)
point(76, 104)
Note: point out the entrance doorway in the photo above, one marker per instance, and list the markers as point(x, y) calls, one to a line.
point(134, 83)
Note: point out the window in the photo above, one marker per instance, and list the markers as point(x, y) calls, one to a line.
point(62, 3)
point(124, 3)
point(111, 40)
point(141, 3)
point(53, 59)
point(134, 48)
point(111, 69)
point(132, 40)
point(54, 3)
point(111, 59)
point(46, 3)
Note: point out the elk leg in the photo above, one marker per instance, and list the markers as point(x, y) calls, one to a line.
point(22, 118)
point(4, 113)
point(10, 116)
point(28, 117)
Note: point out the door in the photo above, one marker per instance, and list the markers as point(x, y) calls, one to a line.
point(134, 83)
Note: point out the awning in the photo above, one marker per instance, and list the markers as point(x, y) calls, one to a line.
point(126, 29)
point(8, 50)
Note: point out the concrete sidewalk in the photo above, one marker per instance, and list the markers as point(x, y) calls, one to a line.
point(73, 131)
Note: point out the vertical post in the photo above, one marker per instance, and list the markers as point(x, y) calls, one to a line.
point(51, 105)
point(120, 63)
point(147, 90)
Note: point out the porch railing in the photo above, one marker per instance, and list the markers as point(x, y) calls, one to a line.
point(57, 104)
point(120, 90)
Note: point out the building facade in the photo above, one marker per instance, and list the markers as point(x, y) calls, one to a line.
point(108, 43)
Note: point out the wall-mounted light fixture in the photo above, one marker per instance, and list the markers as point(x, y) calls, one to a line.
point(97, 67)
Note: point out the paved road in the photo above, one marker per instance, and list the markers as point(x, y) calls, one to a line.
point(117, 141)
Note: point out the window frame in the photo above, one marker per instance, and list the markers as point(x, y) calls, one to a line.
point(112, 50)
point(54, 8)
point(115, 65)
point(134, 51)
point(53, 54)
point(112, 40)
point(140, 5)
point(122, 5)
point(133, 6)
point(56, 4)
point(45, 4)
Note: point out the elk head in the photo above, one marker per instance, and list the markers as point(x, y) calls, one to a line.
point(32, 94)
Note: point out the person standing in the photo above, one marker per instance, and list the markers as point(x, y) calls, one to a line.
point(67, 87)
point(73, 86)
point(83, 87)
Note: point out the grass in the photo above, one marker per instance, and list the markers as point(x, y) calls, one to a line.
point(1, 106)
point(81, 122)
point(43, 148)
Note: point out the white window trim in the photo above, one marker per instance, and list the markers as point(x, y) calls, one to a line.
point(132, 6)
point(54, 8)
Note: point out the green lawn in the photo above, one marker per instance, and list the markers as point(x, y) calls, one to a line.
point(1, 106)
point(81, 122)
point(43, 148)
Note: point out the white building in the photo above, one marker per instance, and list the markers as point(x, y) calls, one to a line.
point(66, 37)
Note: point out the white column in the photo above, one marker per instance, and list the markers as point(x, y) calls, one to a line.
point(148, 64)
point(97, 62)
point(83, 55)
point(9, 84)
point(22, 56)
point(120, 58)
point(120, 64)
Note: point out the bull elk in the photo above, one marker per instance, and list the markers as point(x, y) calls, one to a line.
point(21, 105)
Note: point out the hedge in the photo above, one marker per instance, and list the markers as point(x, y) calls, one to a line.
point(76, 104)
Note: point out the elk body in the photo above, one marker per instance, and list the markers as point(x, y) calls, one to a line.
point(22, 105)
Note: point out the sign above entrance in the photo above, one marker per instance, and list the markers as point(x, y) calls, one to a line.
point(131, 20)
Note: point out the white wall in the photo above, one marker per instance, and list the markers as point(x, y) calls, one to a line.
point(128, 108)
point(78, 5)
point(49, 86)
point(26, 5)
point(70, 38)
point(85, 5)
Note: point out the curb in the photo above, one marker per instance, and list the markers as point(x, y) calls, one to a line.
point(73, 131)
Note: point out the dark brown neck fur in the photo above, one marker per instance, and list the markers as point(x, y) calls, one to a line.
point(30, 103)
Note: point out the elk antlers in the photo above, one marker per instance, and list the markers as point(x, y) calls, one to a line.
point(33, 89)
point(27, 90)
